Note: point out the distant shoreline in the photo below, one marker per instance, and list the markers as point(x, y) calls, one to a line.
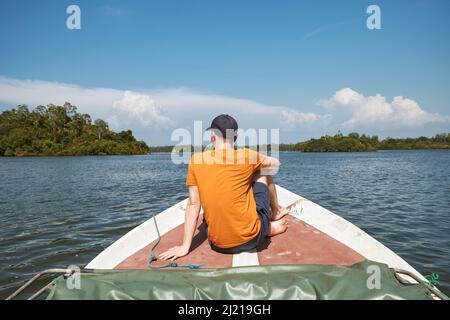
point(168, 152)
point(77, 156)
point(61, 131)
point(353, 142)
point(374, 151)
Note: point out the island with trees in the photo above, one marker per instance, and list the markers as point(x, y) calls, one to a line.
point(355, 142)
point(61, 131)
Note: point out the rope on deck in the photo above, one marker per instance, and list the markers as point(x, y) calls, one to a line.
point(153, 257)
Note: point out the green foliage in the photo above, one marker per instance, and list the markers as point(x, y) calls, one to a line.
point(339, 143)
point(439, 141)
point(161, 149)
point(357, 143)
point(354, 142)
point(61, 131)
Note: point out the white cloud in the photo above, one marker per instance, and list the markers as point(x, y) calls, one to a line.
point(182, 99)
point(377, 110)
point(111, 104)
point(151, 108)
point(111, 11)
point(142, 108)
point(291, 119)
point(329, 27)
point(166, 109)
point(36, 92)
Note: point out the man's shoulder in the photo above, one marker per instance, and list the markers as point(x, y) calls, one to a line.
point(252, 156)
point(242, 155)
point(199, 157)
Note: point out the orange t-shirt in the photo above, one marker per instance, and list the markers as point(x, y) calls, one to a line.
point(224, 182)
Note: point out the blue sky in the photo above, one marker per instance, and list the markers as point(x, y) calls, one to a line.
point(306, 67)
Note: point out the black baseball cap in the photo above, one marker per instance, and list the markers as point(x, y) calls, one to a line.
point(223, 123)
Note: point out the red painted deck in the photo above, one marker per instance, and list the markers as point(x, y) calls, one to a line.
point(300, 244)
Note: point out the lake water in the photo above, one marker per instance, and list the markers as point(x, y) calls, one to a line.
point(56, 212)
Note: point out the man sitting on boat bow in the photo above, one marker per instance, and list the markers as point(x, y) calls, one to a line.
point(240, 205)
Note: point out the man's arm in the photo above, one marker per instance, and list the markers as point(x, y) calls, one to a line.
point(270, 166)
point(190, 223)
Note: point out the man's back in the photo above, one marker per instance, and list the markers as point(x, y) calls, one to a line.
point(240, 203)
point(224, 183)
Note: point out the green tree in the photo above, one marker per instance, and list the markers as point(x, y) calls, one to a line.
point(60, 130)
point(100, 128)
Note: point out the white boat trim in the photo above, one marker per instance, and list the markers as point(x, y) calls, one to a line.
point(139, 237)
point(249, 258)
point(345, 232)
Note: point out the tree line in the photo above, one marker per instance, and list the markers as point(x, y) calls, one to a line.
point(54, 130)
point(62, 131)
point(353, 142)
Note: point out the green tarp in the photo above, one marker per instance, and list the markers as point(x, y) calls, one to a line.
point(364, 280)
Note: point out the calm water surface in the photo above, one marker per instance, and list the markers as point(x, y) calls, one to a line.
point(56, 212)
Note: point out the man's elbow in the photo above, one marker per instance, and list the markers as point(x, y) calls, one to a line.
point(275, 163)
point(271, 167)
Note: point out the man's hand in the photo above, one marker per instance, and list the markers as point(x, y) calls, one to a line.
point(174, 253)
point(190, 223)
